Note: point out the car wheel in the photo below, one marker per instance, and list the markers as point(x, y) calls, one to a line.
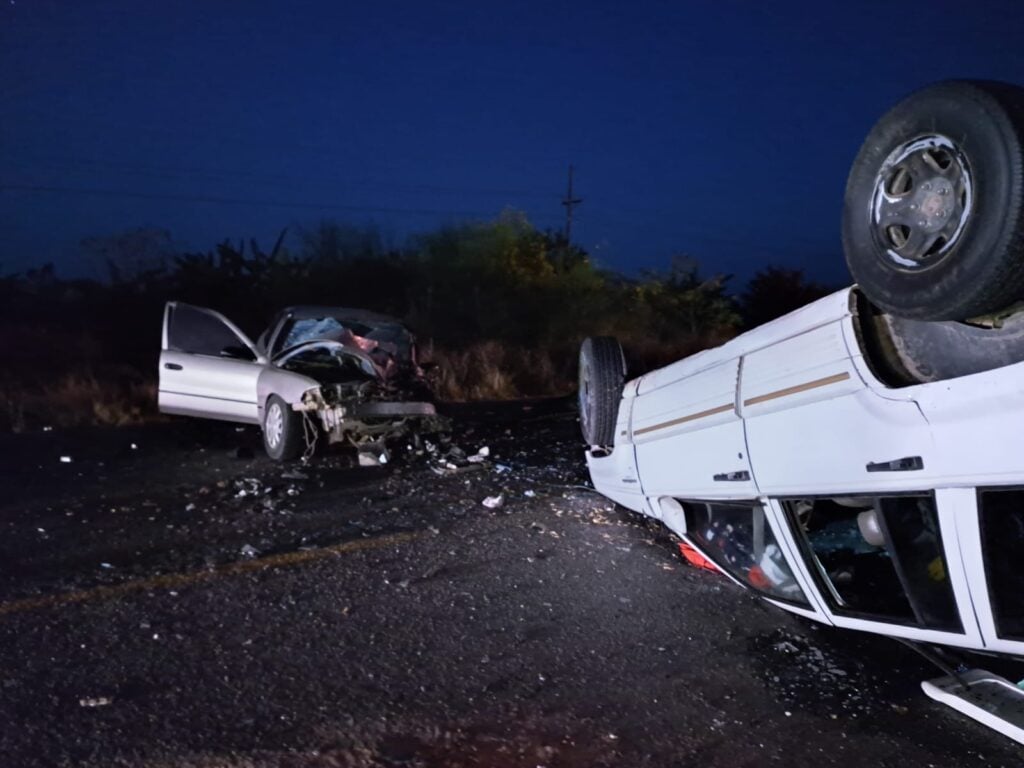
point(933, 218)
point(283, 436)
point(602, 373)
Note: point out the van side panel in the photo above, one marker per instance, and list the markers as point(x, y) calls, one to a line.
point(813, 426)
point(689, 438)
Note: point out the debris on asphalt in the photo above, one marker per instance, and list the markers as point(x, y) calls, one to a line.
point(95, 701)
point(294, 474)
point(493, 502)
point(248, 486)
point(480, 456)
point(249, 551)
point(374, 458)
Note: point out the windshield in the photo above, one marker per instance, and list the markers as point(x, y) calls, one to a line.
point(380, 341)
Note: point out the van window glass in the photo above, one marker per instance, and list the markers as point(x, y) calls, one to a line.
point(879, 557)
point(1002, 540)
point(740, 540)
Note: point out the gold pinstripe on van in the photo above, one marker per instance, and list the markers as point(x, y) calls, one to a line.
point(824, 382)
point(834, 379)
point(684, 419)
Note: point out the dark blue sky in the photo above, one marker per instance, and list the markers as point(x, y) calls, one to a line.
point(723, 130)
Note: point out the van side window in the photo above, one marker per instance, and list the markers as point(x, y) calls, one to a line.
point(1002, 536)
point(879, 557)
point(740, 540)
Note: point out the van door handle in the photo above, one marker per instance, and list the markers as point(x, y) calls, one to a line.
point(732, 477)
point(906, 464)
point(172, 366)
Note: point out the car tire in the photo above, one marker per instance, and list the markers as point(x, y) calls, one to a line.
point(601, 376)
point(283, 437)
point(933, 217)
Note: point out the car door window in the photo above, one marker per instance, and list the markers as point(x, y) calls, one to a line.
point(739, 538)
point(196, 332)
point(1002, 537)
point(878, 557)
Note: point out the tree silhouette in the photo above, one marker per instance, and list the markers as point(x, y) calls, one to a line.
point(774, 291)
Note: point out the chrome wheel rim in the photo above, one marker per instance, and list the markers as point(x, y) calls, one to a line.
point(584, 397)
point(922, 200)
point(273, 425)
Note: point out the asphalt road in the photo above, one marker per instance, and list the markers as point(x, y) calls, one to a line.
point(168, 597)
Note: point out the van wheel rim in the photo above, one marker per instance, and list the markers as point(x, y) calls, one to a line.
point(584, 398)
point(922, 200)
point(274, 425)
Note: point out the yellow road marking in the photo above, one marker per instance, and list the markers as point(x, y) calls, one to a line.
point(834, 379)
point(684, 419)
point(195, 577)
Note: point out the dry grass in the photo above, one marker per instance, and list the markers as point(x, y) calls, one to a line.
point(490, 370)
point(112, 398)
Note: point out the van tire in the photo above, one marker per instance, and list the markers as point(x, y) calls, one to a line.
point(936, 351)
point(601, 376)
point(933, 216)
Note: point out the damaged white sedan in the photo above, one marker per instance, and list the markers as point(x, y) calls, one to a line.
point(348, 374)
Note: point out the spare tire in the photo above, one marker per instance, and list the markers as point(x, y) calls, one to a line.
point(602, 374)
point(933, 219)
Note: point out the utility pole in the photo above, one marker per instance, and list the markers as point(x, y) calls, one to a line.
point(569, 202)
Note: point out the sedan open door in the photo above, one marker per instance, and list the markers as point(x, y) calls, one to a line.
point(208, 367)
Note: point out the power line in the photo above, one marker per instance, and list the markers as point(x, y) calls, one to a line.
point(141, 131)
point(226, 174)
point(239, 201)
point(773, 242)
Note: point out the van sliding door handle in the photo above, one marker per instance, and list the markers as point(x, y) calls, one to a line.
point(906, 464)
point(732, 477)
point(172, 366)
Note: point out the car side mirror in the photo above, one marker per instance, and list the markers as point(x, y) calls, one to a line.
point(238, 352)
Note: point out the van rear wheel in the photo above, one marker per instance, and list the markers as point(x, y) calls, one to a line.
point(933, 217)
point(602, 374)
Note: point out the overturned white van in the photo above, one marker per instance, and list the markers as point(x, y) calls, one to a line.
point(859, 461)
